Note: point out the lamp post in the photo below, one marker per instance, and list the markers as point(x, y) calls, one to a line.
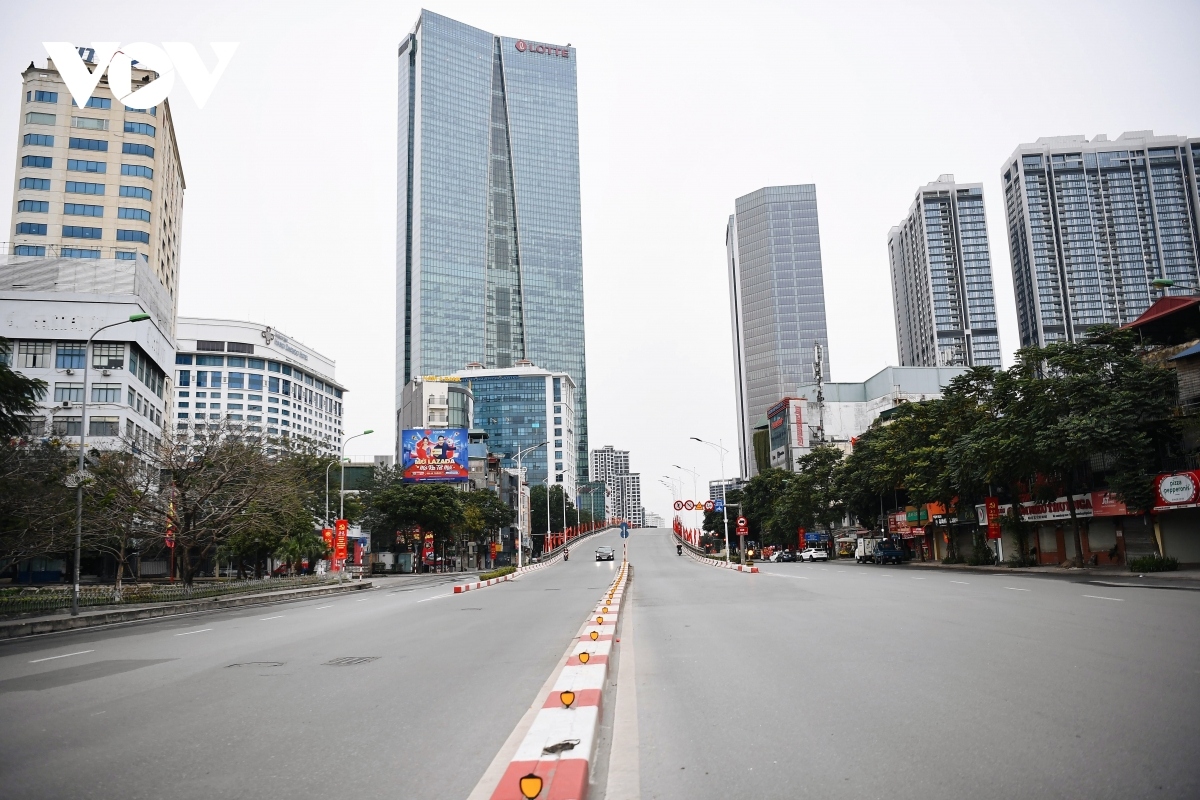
point(342, 489)
point(558, 475)
point(695, 490)
point(87, 360)
point(721, 451)
point(327, 466)
point(520, 505)
point(1162, 284)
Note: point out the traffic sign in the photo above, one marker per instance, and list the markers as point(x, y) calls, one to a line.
point(742, 523)
point(719, 505)
point(689, 505)
point(624, 532)
point(679, 505)
point(709, 505)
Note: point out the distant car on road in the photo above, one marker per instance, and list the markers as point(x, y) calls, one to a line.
point(783, 555)
point(888, 550)
point(605, 553)
point(813, 554)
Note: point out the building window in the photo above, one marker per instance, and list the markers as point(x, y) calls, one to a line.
point(106, 392)
point(183, 377)
point(152, 110)
point(40, 96)
point(133, 213)
point(68, 392)
point(79, 232)
point(255, 383)
point(137, 171)
point(29, 250)
point(204, 379)
point(67, 426)
point(235, 361)
point(183, 358)
point(133, 236)
point(104, 426)
point(273, 366)
point(31, 228)
point(76, 165)
point(130, 149)
point(41, 184)
point(89, 123)
point(70, 355)
point(210, 361)
point(233, 406)
point(239, 347)
point(256, 363)
point(273, 385)
point(139, 127)
point(126, 255)
point(76, 143)
point(212, 347)
point(95, 102)
point(38, 139)
point(34, 118)
point(77, 252)
point(237, 380)
point(41, 162)
point(78, 187)
point(81, 210)
point(108, 355)
point(136, 191)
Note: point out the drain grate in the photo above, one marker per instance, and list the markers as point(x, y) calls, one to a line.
point(257, 664)
point(350, 661)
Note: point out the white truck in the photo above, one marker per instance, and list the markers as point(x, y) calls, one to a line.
point(865, 549)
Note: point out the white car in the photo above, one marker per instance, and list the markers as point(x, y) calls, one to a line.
point(813, 554)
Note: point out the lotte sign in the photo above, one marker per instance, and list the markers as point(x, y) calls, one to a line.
point(542, 49)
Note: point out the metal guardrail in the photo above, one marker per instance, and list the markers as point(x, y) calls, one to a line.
point(14, 601)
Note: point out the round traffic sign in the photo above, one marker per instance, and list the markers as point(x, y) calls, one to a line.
point(709, 505)
point(689, 504)
point(679, 505)
point(741, 522)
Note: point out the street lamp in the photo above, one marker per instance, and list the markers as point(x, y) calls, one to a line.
point(342, 490)
point(695, 491)
point(330, 464)
point(721, 451)
point(79, 474)
point(520, 505)
point(1167, 283)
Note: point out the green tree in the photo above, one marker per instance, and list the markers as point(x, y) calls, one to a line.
point(391, 505)
point(758, 500)
point(809, 499)
point(19, 395)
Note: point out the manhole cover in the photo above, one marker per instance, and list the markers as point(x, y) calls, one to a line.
point(258, 664)
point(350, 661)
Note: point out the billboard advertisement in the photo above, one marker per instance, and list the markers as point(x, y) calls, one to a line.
point(437, 455)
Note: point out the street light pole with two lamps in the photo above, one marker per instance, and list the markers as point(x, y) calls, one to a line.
point(721, 451)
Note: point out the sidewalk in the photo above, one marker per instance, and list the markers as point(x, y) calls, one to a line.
point(110, 615)
point(1184, 578)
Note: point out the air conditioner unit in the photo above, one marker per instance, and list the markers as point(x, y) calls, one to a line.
point(69, 371)
point(106, 372)
point(66, 403)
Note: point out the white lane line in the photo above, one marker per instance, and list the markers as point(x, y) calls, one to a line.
point(361, 600)
point(189, 633)
point(964, 583)
point(624, 768)
point(265, 619)
point(64, 655)
point(777, 575)
point(435, 597)
point(318, 608)
point(918, 579)
point(1015, 589)
point(1098, 597)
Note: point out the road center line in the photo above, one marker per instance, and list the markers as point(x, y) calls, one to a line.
point(189, 633)
point(265, 619)
point(964, 583)
point(918, 579)
point(318, 608)
point(64, 655)
point(1098, 597)
point(1015, 589)
point(435, 597)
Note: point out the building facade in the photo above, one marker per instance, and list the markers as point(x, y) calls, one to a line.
point(777, 301)
point(434, 401)
point(489, 253)
point(1092, 223)
point(941, 269)
point(48, 309)
point(99, 182)
point(243, 376)
point(717, 489)
point(623, 489)
point(523, 406)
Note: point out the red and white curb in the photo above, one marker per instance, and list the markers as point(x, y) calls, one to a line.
point(713, 563)
point(556, 753)
point(467, 587)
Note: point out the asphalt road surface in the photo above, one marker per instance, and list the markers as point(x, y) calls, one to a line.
point(806, 680)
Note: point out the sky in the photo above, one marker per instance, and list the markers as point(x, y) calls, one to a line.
point(289, 214)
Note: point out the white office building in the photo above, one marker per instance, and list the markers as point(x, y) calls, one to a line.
point(243, 376)
point(623, 489)
point(49, 307)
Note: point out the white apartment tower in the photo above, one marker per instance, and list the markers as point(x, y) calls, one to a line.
point(942, 279)
point(98, 182)
point(622, 487)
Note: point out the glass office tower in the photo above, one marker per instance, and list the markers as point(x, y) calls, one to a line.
point(777, 301)
point(488, 238)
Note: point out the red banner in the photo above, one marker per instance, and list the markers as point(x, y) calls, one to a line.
point(992, 505)
point(427, 550)
point(341, 528)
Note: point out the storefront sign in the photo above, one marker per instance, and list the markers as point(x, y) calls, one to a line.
point(1177, 490)
point(1092, 504)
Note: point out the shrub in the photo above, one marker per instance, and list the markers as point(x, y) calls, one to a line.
point(1154, 563)
point(496, 573)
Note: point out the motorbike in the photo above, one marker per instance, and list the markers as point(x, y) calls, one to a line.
point(678, 549)
point(566, 555)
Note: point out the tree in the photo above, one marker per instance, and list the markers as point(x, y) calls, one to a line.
point(19, 396)
point(37, 509)
point(809, 499)
point(759, 496)
point(392, 505)
point(119, 510)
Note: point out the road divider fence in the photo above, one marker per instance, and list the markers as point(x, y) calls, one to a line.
point(696, 555)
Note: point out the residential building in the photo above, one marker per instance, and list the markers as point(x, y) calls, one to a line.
point(654, 520)
point(245, 376)
point(522, 406)
point(777, 301)
point(594, 498)
point(795, 425)
point(718, 489)
point(434, 401)
point(942, 279)
point(489, 255)
point(623, 489)
point(1092, 223)
point(631, 497)
point(99, 182)
point(49, 307)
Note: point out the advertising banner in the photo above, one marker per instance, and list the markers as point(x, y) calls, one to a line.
point(1177, 490)
point(437, 455)
point(991, 507)
point(427, 550)
point(341, 528)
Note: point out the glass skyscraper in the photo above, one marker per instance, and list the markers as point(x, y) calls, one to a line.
point(777, 301)
point(489, 265)
point(942, 279)
point(1090, 224)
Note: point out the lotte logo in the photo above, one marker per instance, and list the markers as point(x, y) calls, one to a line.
point(544, 49)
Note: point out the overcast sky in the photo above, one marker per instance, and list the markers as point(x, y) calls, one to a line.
point(289, 215)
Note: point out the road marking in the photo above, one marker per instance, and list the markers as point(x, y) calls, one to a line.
point(362, 600)
point(624, 768)
point(64, 655)
point(435, 597)
point(1098, 597)
point(189, 633)
point(318, 608)
point(1015, 589)
point(777, 575)
point(964, 583)
point(265, 619)
point(918, 579)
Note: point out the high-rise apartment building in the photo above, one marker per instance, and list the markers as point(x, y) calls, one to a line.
point(942, 279)
point(99, 182)
point(489, 253)
point(1092, 223)
point(777, 302)
point(622, 487)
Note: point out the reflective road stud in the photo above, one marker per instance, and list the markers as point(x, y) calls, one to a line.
point(567, 698)
point(584, 657)
point(531, 786)
point(595, 635)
